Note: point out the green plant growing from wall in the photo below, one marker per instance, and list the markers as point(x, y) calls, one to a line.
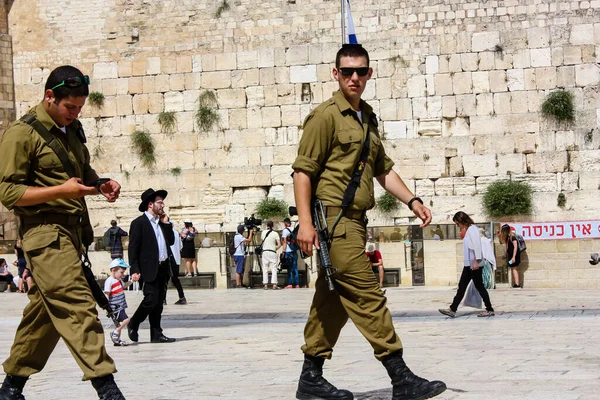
point(425, 157)
point(144, 146)
point(387, 203)
point(206, 115)
point(98, 151)
point(272, 208)
point(167, 121)
point(559, 105)
point(176, 171)
point(561, 200)
point(224, 6)
point(96, 99)
point(503, 198)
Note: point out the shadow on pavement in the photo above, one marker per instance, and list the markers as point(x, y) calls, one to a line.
point(378, 394)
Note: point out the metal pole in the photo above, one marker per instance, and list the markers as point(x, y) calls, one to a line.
point(343, 12)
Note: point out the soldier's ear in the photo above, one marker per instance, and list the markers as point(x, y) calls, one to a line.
point(48, 95)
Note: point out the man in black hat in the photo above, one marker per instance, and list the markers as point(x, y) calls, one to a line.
point(151, 235)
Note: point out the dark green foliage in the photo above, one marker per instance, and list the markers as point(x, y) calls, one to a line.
point(561, 200)
point(222, 8)
point(167, 121)
point(387, 203)
point(144, 146)
point(176, 171)
point(206, 115)
point(96, 99)
point(503, 198)
point(559, 105)
point(271, 208)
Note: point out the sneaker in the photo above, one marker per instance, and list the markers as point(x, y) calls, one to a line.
point(266, 287)
point(517, 287)
point(114, 336)
point(276, 288)
point(289, 287)
point(120, 343)
point(486, 314)
point(181, 301)
point(188, 275)
point(448, 312)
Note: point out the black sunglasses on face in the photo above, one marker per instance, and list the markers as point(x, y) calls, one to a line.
point(361, 71)
point(74, 82)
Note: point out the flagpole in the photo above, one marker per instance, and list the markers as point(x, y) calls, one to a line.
point(343, 12)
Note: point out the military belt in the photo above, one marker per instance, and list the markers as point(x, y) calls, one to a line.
point(351, 214)
point(59, 219)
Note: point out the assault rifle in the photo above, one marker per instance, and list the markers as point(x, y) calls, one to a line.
point(97, 292)
point(323, 235)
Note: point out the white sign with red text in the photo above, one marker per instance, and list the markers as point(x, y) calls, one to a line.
point(557, 230)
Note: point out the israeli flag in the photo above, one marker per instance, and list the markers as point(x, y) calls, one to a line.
point(350, 32)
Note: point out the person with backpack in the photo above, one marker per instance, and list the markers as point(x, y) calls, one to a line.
point(513, 253)
point(290, 255)
point(269, 245)
point(238, 250)
point(112, 239)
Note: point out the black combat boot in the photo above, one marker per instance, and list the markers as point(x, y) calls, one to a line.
point(313, 386)
point(408, 386)
point(12, 388)
point(107, 388)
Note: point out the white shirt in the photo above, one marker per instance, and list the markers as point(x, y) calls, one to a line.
point(487, 251)
point(471, 246)
point(285, 233)
point(240, 247)
point(269, 242)
point(176, 247)
point(160, 239)
point(359, 115)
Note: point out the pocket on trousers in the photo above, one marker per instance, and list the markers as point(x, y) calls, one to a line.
point(340, 230)
point(39, 238)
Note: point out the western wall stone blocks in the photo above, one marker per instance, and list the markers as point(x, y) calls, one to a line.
point(572, 55)
point(469, 61)
point(109, 87)
point(582, 34)
point(124, 68)
point(463, 186)
point(271, 117)
point(512, 164)
point(394, 129)
point(482, 41)
point(109, 108)
point(454, 64)
point(140, 104)
point(465, 105)
point(516, 79)
point(530, 79)
point(565, 77)
point(538, 37)
point(193, 80)
point(443, 84)
point(484, 103)
point(190, 99)
point(296, 55)
point(216, 80)
point(231, 98)
point(303, 73)
point(587, 74)
point(383, 88)
point(282, 75)
point(487, 124)
point(155, 103)
point(281, 174)
point(173, 101)
point(387, 109)
point(481, 82)
point(197, 63)
point(238, 118)
point(105, 70)
point(545, 78)
point(208, 62)
point(176, 82)
point(557, 56)
point(502, 103)
point(255, 96)
point(444, 187)
point(161, 83)
point(148, 84)
point(448, 107)
point(541, 57)
point(416, 86)
point(432, 65)
point(539, 182)
point(290, 115)
point(569, 181)
point(479, 165)
point(404, 107)
point(153, 65)
point(266, 58)
point(547, 162)
point(225, 61)
point(486, 61)
point(498, 81)
point(247, 59)
point(462, 83)
point(522, 59)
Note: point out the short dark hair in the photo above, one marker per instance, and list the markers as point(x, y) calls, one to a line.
point(351, 50)
point(287, 220)
point(463, 218)
point(59, 75)
point(241, 229)
point(113, 223)
point(270, 224)
point(2, 261)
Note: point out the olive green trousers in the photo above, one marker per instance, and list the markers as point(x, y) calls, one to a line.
point(357, 296)
point(61, 305)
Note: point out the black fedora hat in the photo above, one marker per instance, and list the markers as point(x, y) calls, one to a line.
point(148, 196)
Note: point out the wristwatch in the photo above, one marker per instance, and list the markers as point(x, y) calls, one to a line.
point(412, 201)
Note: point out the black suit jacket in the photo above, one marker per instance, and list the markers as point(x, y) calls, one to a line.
point(143, 247)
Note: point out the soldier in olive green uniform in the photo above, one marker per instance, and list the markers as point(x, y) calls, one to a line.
point(333, 138)
point(36, 186)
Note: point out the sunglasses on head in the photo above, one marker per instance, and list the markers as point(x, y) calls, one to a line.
point(361, 71)
point(74, 82)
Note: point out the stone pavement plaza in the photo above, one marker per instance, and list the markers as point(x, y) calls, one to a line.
point(245, 344)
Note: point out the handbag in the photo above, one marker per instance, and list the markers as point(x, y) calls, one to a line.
point(472, 297)
point(487, 274)
point(258, 250)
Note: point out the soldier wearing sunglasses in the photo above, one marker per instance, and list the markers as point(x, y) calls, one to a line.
point(333, 149)
point(47, 196)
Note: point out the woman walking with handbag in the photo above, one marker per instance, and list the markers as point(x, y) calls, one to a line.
point(472, 261)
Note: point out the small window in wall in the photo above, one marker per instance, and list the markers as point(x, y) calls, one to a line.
point(306, 96)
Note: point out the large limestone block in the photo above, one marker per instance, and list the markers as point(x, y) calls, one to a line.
point(551, 161)
point(502, 103)
point(545, 78)
point(255, 96)
point(244, 78)
point(483, 182)
point(155, 103)
point(448, 107)
point(286, 94)
point(173, 101)
point(153, 65)
point(284, 155)
point(176, 82)
point(303, 73)
point(585, 160)
point(541, 57)
point(196, 63)
point(481, 82)
point(456, 127)
point(525, 143)
point(249, 195)
point(565, 77)
point(231, 98)
point(394, 130)
point(216, 80)
point(469, 61)
point(225, 61)
point(464, 186)
point(136, 85)
point(387, 109)
point(444, 187)
point(466, 105)
point(247, 59)
point(454, 63)
point(530, 79)
point(168, 65)
point(296, 55)
point(462, 83)
point(443, 84)
point(516, 79)
point(485, 41)
point(190, 100)
point(569, 181)
point(432, 65)
point(124, 68)
point(281, 175)
point(511, 164)
point(161, 83)
point(109, 108)
point(266, 58)
point(587, 74)
point(290, 115)
point(589, 180)
point(486, 61)
point(105, 70)
point(498, 81)
point(485, 103)
point(140, 104)
point(404, 107)
point(538, 37)
point(539, 182)
point(519, 102)
point(384, 88)
point(238, 118)
point(425, 187)
point(271, 117)
point(416, 86)
point(582, 34)
point(479, 165)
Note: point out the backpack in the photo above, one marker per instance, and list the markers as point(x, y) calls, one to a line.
point(232, 248)
point(106, 238)
point(521, 243)
point(291, 240)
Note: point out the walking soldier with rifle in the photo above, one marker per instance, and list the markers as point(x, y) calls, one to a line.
point(339, 154)
point(45, 181)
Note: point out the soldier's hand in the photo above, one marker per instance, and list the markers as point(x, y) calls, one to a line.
point(135, 277)
point(307, 237)
point(75, 189)
point(422, 212)
point(111, 190)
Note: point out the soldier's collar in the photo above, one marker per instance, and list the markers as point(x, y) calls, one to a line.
point(45, 118)
point(344, 105)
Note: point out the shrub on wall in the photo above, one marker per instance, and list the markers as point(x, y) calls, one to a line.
point(96, 99)
point(387, 203)
point(503, 198)
point(559, 105)
point(207, 116)
point(144, 146)
point(272, 208)
point(167, 121)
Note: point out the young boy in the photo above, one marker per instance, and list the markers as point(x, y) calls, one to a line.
point(114, 290)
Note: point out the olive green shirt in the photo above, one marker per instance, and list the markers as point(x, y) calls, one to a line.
point(27, 161)
point(330, 146)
